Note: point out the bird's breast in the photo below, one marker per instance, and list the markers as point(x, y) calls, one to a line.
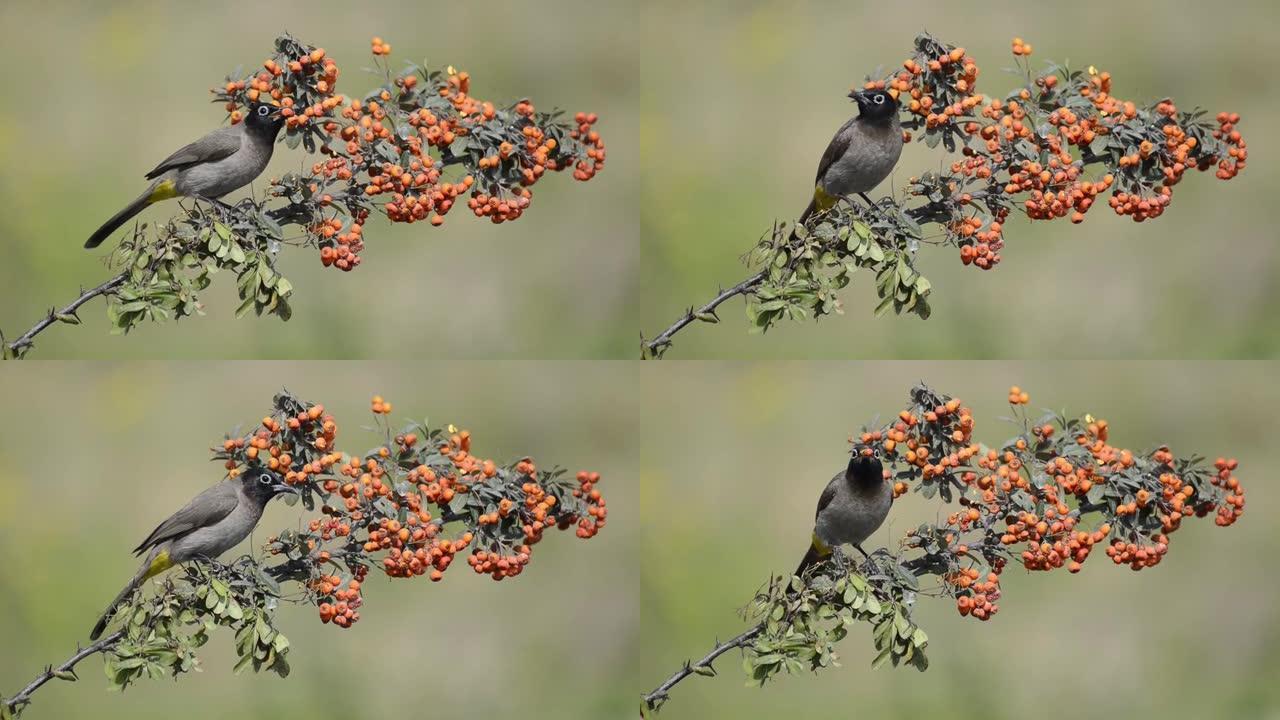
point(872, 153)
point(852, 516)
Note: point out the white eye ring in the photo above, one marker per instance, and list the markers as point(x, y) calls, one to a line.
point(879, 99)
point(265, 479)
point(263, 110)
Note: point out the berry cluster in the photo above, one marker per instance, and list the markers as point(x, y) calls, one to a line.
point(1044, 499)
point(344, 607)
point(299, 79)
point(391, 151)
point(975, 596)
point(408, 507)
point(1030, 150)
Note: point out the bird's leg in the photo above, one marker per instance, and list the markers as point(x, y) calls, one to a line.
point(223, 209)
point(871, 205)
point(858, 547)
point(840, 559)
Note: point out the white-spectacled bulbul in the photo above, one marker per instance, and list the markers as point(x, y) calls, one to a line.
point(852, 506)
point(861, 154)
point(211, 524)
point(218, 163)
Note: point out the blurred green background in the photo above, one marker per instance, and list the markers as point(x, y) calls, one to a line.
point(711, 472)
point(740, 98)
point(92, 456)
point(714, 113)
point(746, 450)
point(98, 92)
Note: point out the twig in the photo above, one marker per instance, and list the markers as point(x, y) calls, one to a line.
point(659, 695)
point(655, 347)
point(26, 341)
point(65, 671)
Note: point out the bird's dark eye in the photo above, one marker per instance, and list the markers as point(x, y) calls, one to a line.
point(879, 99)
point(265, 479)
point(263, 110)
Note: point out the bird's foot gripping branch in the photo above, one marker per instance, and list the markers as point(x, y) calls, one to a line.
point(406, 509)
point(411, 148)
point(1051, 148)
point(1043, 500)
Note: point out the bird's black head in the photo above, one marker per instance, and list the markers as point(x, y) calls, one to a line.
point(864, 469)
point(264, 118)
point(878, 106)
point(261, 484)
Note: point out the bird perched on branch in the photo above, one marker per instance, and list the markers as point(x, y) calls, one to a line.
point(862, 153)
point(853, 505)
point(221, 162)
point(211, 524)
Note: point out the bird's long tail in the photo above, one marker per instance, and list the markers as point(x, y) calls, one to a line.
point(821, 200)
point(161, 190)
point(813, 205)
point(157, 562)
point(818, 551)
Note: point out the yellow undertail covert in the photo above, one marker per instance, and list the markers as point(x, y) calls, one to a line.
point(163, 190)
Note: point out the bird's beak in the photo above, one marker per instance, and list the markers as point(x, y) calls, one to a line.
point(856, 96)
point(283, 488)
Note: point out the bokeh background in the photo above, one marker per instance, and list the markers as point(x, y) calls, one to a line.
point(100, 91)
point(741, 98)
point(711, 471)
point(715, 114)
point(750, 447)
point(92, 456)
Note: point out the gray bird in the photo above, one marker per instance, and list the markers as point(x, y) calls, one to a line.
point(862, 153)
point(853, 505)
point(218, 163)
point(211, 524)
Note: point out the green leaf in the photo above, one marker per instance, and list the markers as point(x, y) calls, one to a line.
point(919, 639)
point(245, 307)
point(281, 666)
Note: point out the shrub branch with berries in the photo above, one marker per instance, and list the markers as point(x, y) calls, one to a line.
point(1043, 500)
point(1049, 149)
point(405, 509)
point(410, 149)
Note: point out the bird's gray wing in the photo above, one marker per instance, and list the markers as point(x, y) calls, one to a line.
point(212, 147)
point(207, 508)
point(837, 147)
point(828, 494)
